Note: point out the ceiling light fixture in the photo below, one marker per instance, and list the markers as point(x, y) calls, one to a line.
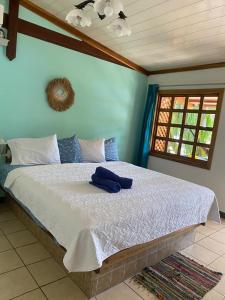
point(80, 16)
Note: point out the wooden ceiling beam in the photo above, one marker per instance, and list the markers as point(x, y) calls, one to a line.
point(70, 29)
point(12, 28)
point(62, 40)
point(50, 36)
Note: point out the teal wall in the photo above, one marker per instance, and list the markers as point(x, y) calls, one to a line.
point(109, 99)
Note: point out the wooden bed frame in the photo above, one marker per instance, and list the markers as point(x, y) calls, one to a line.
point(119, 266)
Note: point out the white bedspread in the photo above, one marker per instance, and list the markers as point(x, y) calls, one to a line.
point(93, 224)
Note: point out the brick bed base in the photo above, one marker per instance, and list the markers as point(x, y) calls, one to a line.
point(116, 268)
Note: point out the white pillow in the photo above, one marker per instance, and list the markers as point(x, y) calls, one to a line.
point(92, 150)
point(39, 151)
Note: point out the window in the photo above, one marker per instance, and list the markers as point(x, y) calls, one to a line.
point(186, 124)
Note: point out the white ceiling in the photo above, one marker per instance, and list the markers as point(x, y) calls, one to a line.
point(166, 33)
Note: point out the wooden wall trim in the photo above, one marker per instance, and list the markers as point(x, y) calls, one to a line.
point(12, 28)
point(190, 68)
point(119, 59)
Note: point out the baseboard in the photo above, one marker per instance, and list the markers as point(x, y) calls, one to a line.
point(222, 214)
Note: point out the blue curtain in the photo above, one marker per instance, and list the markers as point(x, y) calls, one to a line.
point(147, 125)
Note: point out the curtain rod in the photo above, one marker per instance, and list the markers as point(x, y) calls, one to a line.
point(190, 84)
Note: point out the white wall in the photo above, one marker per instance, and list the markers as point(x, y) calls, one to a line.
point(214, 178)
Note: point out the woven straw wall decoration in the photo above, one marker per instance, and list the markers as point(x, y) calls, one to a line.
point(60, 94)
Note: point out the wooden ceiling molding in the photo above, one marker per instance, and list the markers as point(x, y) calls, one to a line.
point(117, 58)
point(190, 68)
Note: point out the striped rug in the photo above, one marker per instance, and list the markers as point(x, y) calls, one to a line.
point(178, 277)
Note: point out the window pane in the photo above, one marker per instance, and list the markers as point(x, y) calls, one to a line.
point(166, 102)
point(172, 147)
point(161, 131)
point(210, 103)
point(189, 134)
point(202, 153)
point(160, 145)
point(204, 136)
point(207, 120)
point(179, 103)
point(194, 102)
point(177, 118)
point(186, 150)
point(191, 119)
point(163, 117)
point(175, 133)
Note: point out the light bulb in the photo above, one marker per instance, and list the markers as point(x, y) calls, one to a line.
point(72, 15)
point(85, 22)
point(78, 17)
point(108, 10)
point(108, 7)
point(120, 27)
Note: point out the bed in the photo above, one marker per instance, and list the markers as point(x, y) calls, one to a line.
point(93, 226)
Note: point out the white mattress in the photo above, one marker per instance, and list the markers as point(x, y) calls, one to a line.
point(93, 224)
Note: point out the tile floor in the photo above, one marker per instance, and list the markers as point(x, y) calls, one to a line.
point(28, 272)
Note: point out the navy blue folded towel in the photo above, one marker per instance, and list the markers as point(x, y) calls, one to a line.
point(125, 183)
point(105, 184)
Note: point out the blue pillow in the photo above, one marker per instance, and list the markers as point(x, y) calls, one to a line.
point(69, 150)
point(111, 150)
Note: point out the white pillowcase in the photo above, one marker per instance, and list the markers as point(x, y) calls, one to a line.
point(92, 150)
point(34, 151)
